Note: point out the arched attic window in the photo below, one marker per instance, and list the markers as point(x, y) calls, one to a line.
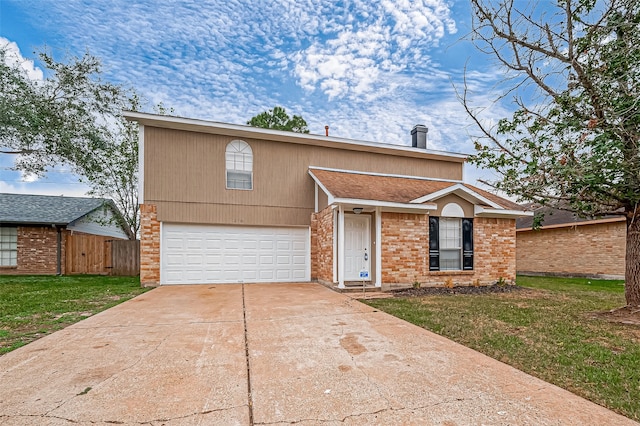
point(239, 163)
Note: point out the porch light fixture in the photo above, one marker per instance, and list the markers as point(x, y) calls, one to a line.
point(357, 210)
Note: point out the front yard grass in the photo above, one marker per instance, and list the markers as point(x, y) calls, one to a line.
point(546, 330)
point(34, 306)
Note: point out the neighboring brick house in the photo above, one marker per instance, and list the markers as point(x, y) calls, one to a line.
point(567, 245)
point(223, 203)
point(36, 229)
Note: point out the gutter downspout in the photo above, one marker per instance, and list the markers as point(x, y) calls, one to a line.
point(59, 251)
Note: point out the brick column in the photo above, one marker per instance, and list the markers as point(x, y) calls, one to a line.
point(322, 246)
point(149, 246)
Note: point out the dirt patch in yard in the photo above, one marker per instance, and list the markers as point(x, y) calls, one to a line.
point(436, 291)
point(628, 315)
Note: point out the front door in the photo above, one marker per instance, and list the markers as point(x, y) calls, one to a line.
point(357, 250)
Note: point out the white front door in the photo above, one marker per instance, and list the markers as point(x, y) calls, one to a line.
point(357, 250)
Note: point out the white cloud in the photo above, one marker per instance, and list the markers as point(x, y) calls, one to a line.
point(371, 69)
point(388, 37)
point(14, 57)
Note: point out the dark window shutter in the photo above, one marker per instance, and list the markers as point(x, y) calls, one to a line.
point(434, 244)
point(467, 244)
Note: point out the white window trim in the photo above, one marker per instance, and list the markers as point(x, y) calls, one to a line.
point(453, 249)
point(11, 249)
point(227, 170)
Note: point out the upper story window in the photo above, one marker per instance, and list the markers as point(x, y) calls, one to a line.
point(239, 163)
point(8, 246)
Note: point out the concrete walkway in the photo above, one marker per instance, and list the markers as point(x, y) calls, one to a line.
point(192, 355)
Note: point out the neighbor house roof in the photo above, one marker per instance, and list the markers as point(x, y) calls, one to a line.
point(556, 218)
point(344, 184)
point(46, 209)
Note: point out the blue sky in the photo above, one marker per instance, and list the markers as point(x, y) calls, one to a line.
point(370, 69)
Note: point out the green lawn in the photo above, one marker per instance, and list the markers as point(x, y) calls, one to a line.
point(545, 330)
point(34, 306)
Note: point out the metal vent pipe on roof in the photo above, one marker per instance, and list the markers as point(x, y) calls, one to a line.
point(419, 136)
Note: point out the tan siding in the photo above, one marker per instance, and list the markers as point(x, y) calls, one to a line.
point(323, 200)
point(189, 167)
point(210, 213)
point(464, 204)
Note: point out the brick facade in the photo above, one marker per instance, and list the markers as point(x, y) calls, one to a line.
point(494, 249)
point(149, 246)
point(405, 252)
point(37, 251)
point(322, 246)
point(405, 248)
point(595, 249)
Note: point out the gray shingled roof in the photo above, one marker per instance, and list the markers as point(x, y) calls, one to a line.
point(46, 209)
point(554, 216)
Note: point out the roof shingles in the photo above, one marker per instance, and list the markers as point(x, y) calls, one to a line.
point(45, 209)
point(397, 189)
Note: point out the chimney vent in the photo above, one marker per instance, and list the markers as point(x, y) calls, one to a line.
point(419, 136)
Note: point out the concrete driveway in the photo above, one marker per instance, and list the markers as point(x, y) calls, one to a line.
point(268, 354)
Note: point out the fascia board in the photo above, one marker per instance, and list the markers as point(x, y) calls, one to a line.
point(453, 189)
point(485, 212)
point(235, 130)
point(376, 203)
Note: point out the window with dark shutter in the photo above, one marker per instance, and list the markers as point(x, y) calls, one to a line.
point(434, 244)
point(450, 239)
point(467, 244)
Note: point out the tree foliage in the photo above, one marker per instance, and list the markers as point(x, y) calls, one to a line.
point(72, 117)
point(573, 69)
point(278, 119)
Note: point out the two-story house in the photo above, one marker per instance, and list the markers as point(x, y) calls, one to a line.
point(225, 203)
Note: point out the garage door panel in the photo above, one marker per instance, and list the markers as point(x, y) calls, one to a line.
point(231, 254)
point(250, 260)
point(266, 245)
point(266, 275)
point(266, 260)
point(283, 275)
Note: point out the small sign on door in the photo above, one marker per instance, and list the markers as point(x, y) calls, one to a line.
point(364, 274)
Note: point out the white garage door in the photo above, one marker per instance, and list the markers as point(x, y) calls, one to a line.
point(204, 254)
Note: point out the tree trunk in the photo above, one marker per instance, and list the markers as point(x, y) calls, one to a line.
point(632, 268)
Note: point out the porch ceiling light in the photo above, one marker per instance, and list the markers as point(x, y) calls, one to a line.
point(357, 210)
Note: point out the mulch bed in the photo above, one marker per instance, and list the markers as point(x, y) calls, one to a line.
point(434, 291)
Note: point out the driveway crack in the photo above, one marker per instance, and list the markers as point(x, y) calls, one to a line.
point(138, 361)
point(119, 422)
point(246, 355)
point(369, 413)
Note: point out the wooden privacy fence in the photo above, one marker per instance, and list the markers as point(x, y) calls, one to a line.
point(96, 254)
point(125, 257)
